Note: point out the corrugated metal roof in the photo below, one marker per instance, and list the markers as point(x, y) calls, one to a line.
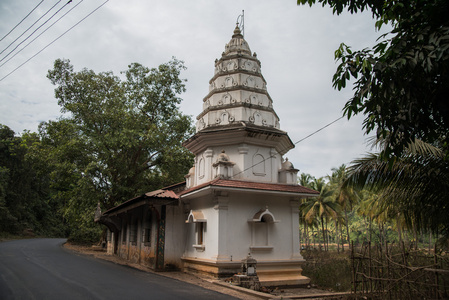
point(154, 195)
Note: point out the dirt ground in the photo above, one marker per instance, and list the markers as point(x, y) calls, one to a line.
point(212, 284)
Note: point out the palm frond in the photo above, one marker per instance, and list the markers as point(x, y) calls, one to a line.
point(417, 183)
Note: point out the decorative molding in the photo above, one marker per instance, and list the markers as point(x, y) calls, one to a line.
point(243, 149)
point(199, 248)
point(221, 203)
point(261, 248)
point(209, 153)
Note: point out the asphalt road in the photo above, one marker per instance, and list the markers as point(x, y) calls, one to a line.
point(43, 269)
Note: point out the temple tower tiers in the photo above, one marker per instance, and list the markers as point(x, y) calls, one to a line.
point(238, 134)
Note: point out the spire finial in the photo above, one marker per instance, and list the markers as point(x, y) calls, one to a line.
point(241, 23)
point(237, 29)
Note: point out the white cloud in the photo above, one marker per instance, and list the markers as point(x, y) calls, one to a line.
point(294, 43)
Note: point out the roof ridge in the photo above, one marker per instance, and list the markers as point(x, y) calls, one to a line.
point(244, 184)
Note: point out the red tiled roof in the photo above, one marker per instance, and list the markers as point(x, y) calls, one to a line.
point(162, 194)
point(239, 184)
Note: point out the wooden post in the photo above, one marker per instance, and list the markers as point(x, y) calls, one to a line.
point(370, 282)
point(435, 259)
point(354, 279)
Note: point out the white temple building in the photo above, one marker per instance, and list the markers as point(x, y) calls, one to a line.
point(240, 196)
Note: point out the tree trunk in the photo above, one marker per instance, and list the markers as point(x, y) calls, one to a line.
point(341, 239)
point(305, 235)
point(313, 237)
point(336, 236)
point(366, 229)
point(327, 236)
point(406, 237)
point(324, 237)
point(381, 234)
point(347, 226)
point(415, 234)
point(398, 224)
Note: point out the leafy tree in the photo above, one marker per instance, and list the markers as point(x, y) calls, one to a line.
point(8, 223)
point(24, 201)
point(306, 180)
point(402, 83)
point(121, 137)
point(415, 185)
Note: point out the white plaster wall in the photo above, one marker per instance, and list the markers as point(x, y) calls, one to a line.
point(210, 237)
point(211, 234)
point(238, 96)
point(190, 238)
point(232, 80)
point(240, 63)
point(244, 157)
point(243, 207)
point(236, 114)
point(283, 236)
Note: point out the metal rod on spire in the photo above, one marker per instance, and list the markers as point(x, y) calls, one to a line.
point(241, 22)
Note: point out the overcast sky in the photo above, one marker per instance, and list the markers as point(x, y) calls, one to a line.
point(295, 45)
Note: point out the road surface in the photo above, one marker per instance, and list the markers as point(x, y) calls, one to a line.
point(43, 269)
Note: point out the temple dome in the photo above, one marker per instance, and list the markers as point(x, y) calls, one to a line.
point(237, 44)
point(287, 165)
point(192, 171)
point(223, 157)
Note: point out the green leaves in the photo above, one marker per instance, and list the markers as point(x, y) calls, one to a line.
point(415, 184)
point(123, 136)
point(401, 85)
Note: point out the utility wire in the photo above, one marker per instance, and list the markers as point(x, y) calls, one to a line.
point(35, 31)
point(273, 156)
point(313, 133)
point(31, 26)
point(55, 40)
point(22, 20)
point(41, 33)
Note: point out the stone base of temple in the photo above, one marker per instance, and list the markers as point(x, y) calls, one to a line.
point(270, 273)
point(211, 268)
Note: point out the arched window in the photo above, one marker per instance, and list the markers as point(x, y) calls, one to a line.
point(201, 168)
point(224, 118)
point(250, 82)
point(229, 82)
point(261, 224)
point(258, 118)
point(197, 217)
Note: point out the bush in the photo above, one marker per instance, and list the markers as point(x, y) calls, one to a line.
point(85, 236)
point(328, 269)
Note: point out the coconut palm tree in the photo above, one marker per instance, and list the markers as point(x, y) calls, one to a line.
point(321, 207)
point(344, 194)
point(417, 184)
point(306, 180)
